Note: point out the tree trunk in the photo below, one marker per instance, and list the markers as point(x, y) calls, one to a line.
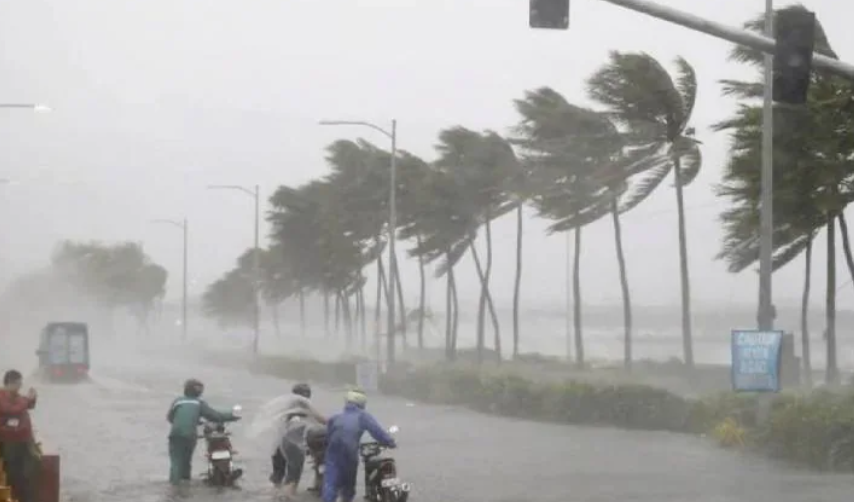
point(576, 297)
point(456, 315)
point(846, 245)
point(489, 303)
point(517, 286)
point(302, 312)
point(449, 355)
point(401, 305)
point(422, 295)
point(805, 308)
point(685, 280)
point(347, 319)
point(326, 312)
point(385, 290)
point(487, 276)
point(378, 306)
point(832, 375)
point(484, 287)
point(274, 313)
point(363, 321)
point(389, 329)
point(378, 309)
point(481, 305)
point(624, 285)
point(338, 312)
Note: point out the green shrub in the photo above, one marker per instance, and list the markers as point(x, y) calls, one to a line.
point(815, 429)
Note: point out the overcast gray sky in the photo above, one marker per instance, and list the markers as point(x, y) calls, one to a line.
point(155, 99)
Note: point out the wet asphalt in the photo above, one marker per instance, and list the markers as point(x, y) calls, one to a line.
point(111, 435)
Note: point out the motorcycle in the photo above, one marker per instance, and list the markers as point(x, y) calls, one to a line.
point(220, 454)
point(315, 440)
point(381, 481)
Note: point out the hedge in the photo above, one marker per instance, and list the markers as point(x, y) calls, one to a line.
point(814, 429)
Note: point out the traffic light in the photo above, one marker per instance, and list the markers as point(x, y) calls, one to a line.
point(794, 32)
point(549, 14)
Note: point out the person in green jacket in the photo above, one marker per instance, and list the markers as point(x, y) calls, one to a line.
point(184, 415)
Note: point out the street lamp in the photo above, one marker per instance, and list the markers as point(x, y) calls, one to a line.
point(256, 263)
point(185, 230)
point(392, 220)
point(27, 106)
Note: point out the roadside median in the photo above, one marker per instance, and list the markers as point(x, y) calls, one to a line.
point(814, 429)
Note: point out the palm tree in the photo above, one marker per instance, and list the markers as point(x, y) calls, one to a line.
point(481, 163)
point(583, 170)
point(656, 108)
point(812, 181)
point(414, 199)
point(445, 223)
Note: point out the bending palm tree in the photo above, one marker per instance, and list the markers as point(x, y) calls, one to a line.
point(641, 95)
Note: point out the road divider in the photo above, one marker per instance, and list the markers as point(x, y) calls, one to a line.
point(815, 429)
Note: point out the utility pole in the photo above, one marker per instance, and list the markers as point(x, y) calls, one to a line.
point(184, 326)
point(185, 228)
point(766, 208)
point(256, 259)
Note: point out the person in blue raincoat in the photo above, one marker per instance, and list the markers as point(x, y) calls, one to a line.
point(344, 432)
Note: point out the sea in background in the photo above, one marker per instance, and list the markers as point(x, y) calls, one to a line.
point(656, 335)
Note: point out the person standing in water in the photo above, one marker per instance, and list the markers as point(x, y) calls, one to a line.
point(289, 450)
point(17, 442)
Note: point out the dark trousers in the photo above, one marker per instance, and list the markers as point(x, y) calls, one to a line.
point(21, 465)
point(279, 467)
point(181, 459)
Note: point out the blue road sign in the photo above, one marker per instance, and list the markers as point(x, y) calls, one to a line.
point(756, 360)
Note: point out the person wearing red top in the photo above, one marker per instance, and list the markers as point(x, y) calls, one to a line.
point(16, 435)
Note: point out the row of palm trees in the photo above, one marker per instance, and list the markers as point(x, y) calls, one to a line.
point(574, 165)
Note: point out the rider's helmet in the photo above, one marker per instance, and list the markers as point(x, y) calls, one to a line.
point(357, 397)
point(193, 388)
point(302, 389)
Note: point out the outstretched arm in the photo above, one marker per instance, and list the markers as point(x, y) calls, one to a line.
point(213, 415)
point(316, 414)
point(373, 427)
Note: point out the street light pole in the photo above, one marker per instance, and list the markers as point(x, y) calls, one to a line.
point(185, 229)
point(256, 259)
point(184, 322)
point(392, 224)
point(766, 244)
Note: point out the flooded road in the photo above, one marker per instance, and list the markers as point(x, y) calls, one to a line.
point(111, 435)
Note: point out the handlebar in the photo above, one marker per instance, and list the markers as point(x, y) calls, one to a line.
point(372, 448)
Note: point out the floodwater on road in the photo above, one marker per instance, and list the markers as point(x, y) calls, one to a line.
point(111, 435)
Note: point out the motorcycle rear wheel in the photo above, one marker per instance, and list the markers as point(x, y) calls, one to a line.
point(389, 495)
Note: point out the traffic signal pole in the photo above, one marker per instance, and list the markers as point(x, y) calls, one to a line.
point(734, 35)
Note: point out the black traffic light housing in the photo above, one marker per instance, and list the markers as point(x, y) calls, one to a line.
point(549, 14)
point(794, 32)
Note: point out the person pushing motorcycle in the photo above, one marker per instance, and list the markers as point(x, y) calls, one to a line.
point(184, 415)
point(290, 447)
point(344, 432)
